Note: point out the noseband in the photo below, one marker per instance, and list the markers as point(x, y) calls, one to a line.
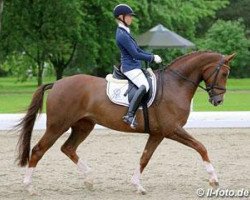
point(210, 87)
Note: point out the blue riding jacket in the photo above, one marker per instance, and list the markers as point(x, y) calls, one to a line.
point(131, 54)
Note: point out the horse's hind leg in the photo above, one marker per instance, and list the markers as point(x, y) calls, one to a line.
point(48, 139)
point(180, 135)
point(80, 131)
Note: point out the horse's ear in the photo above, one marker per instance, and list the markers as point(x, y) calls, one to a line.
point(230, 57)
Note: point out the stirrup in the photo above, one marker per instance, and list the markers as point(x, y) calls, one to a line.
point(134, 123)
point(130, 120)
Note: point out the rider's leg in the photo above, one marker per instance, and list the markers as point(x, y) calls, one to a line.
point(133, 106)
point(139, 79)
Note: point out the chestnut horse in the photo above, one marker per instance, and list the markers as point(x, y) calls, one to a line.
point(79, 102)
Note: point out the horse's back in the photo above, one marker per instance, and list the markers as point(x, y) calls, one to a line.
point(75, 84)
point(78, 80)
point(71, 95)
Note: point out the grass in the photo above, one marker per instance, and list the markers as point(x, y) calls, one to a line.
point(233, 101)
point(237, 97)
point(16, 96)
point(239, 84)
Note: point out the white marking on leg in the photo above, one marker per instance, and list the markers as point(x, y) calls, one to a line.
point(136, 177)
point(28, 176)
point(85, 171)
point(28, 180)
point(135, 180)
point(210, 170)
point(83, 167)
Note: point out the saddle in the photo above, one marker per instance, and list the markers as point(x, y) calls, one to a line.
point(120, 91)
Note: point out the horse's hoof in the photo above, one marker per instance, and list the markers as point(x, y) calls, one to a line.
point(141, 190)
point(214, 184)
point(30, 189)
point(89, 184)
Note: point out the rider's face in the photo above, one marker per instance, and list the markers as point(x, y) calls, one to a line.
point(128, 19)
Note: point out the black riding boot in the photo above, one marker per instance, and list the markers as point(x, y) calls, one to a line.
point(129, 118)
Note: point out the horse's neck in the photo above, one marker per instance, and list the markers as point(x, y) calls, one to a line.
point(192, 66)
point(190, 70)
point(189, 66)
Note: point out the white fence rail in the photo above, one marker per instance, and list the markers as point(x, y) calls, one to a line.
point(196, 120)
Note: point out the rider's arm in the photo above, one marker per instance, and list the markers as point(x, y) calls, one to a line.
point(131, 48)
point(142, 51)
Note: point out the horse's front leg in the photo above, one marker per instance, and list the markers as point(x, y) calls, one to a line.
point(152, 143)
point(180, 135)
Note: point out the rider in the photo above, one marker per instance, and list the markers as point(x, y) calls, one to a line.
point(131, 56)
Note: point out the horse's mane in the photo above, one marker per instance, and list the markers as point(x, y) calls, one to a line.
point(189, 54)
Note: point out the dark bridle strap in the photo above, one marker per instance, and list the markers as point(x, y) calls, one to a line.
point(216, 70)
point(188, 80)
point(210, 88)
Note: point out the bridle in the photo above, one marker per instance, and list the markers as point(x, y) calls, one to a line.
point(210, 87)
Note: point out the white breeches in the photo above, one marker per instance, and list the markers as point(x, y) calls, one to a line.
point(138, 78)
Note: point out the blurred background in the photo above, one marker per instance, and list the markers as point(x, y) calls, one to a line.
point(42, 41)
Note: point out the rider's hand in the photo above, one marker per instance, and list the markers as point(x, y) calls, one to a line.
point(157, 59)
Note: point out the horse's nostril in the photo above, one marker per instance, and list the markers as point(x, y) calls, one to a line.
point(219, 102)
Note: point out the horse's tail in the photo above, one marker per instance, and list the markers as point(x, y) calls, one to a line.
point(27, 123)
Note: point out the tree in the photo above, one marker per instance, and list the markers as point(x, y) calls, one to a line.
point(45, 30)
point(23, 23)
point(65, 31)
point(97, 52)
point(227, 37)
point(1, 12)
point(180, 16)
point(18, 65)
point(235, 10)
point(2, 49)
point(80, 34)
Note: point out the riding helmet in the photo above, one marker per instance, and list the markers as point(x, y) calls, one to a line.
point(123, 9)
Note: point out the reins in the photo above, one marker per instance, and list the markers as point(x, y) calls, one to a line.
point(188, 80)
point(209, 88)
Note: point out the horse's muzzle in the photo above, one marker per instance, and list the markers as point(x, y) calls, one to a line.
point(216, 100)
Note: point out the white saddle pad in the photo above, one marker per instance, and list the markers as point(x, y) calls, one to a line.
point(117, 88)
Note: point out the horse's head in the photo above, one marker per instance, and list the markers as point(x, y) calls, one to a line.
point(215, 76)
